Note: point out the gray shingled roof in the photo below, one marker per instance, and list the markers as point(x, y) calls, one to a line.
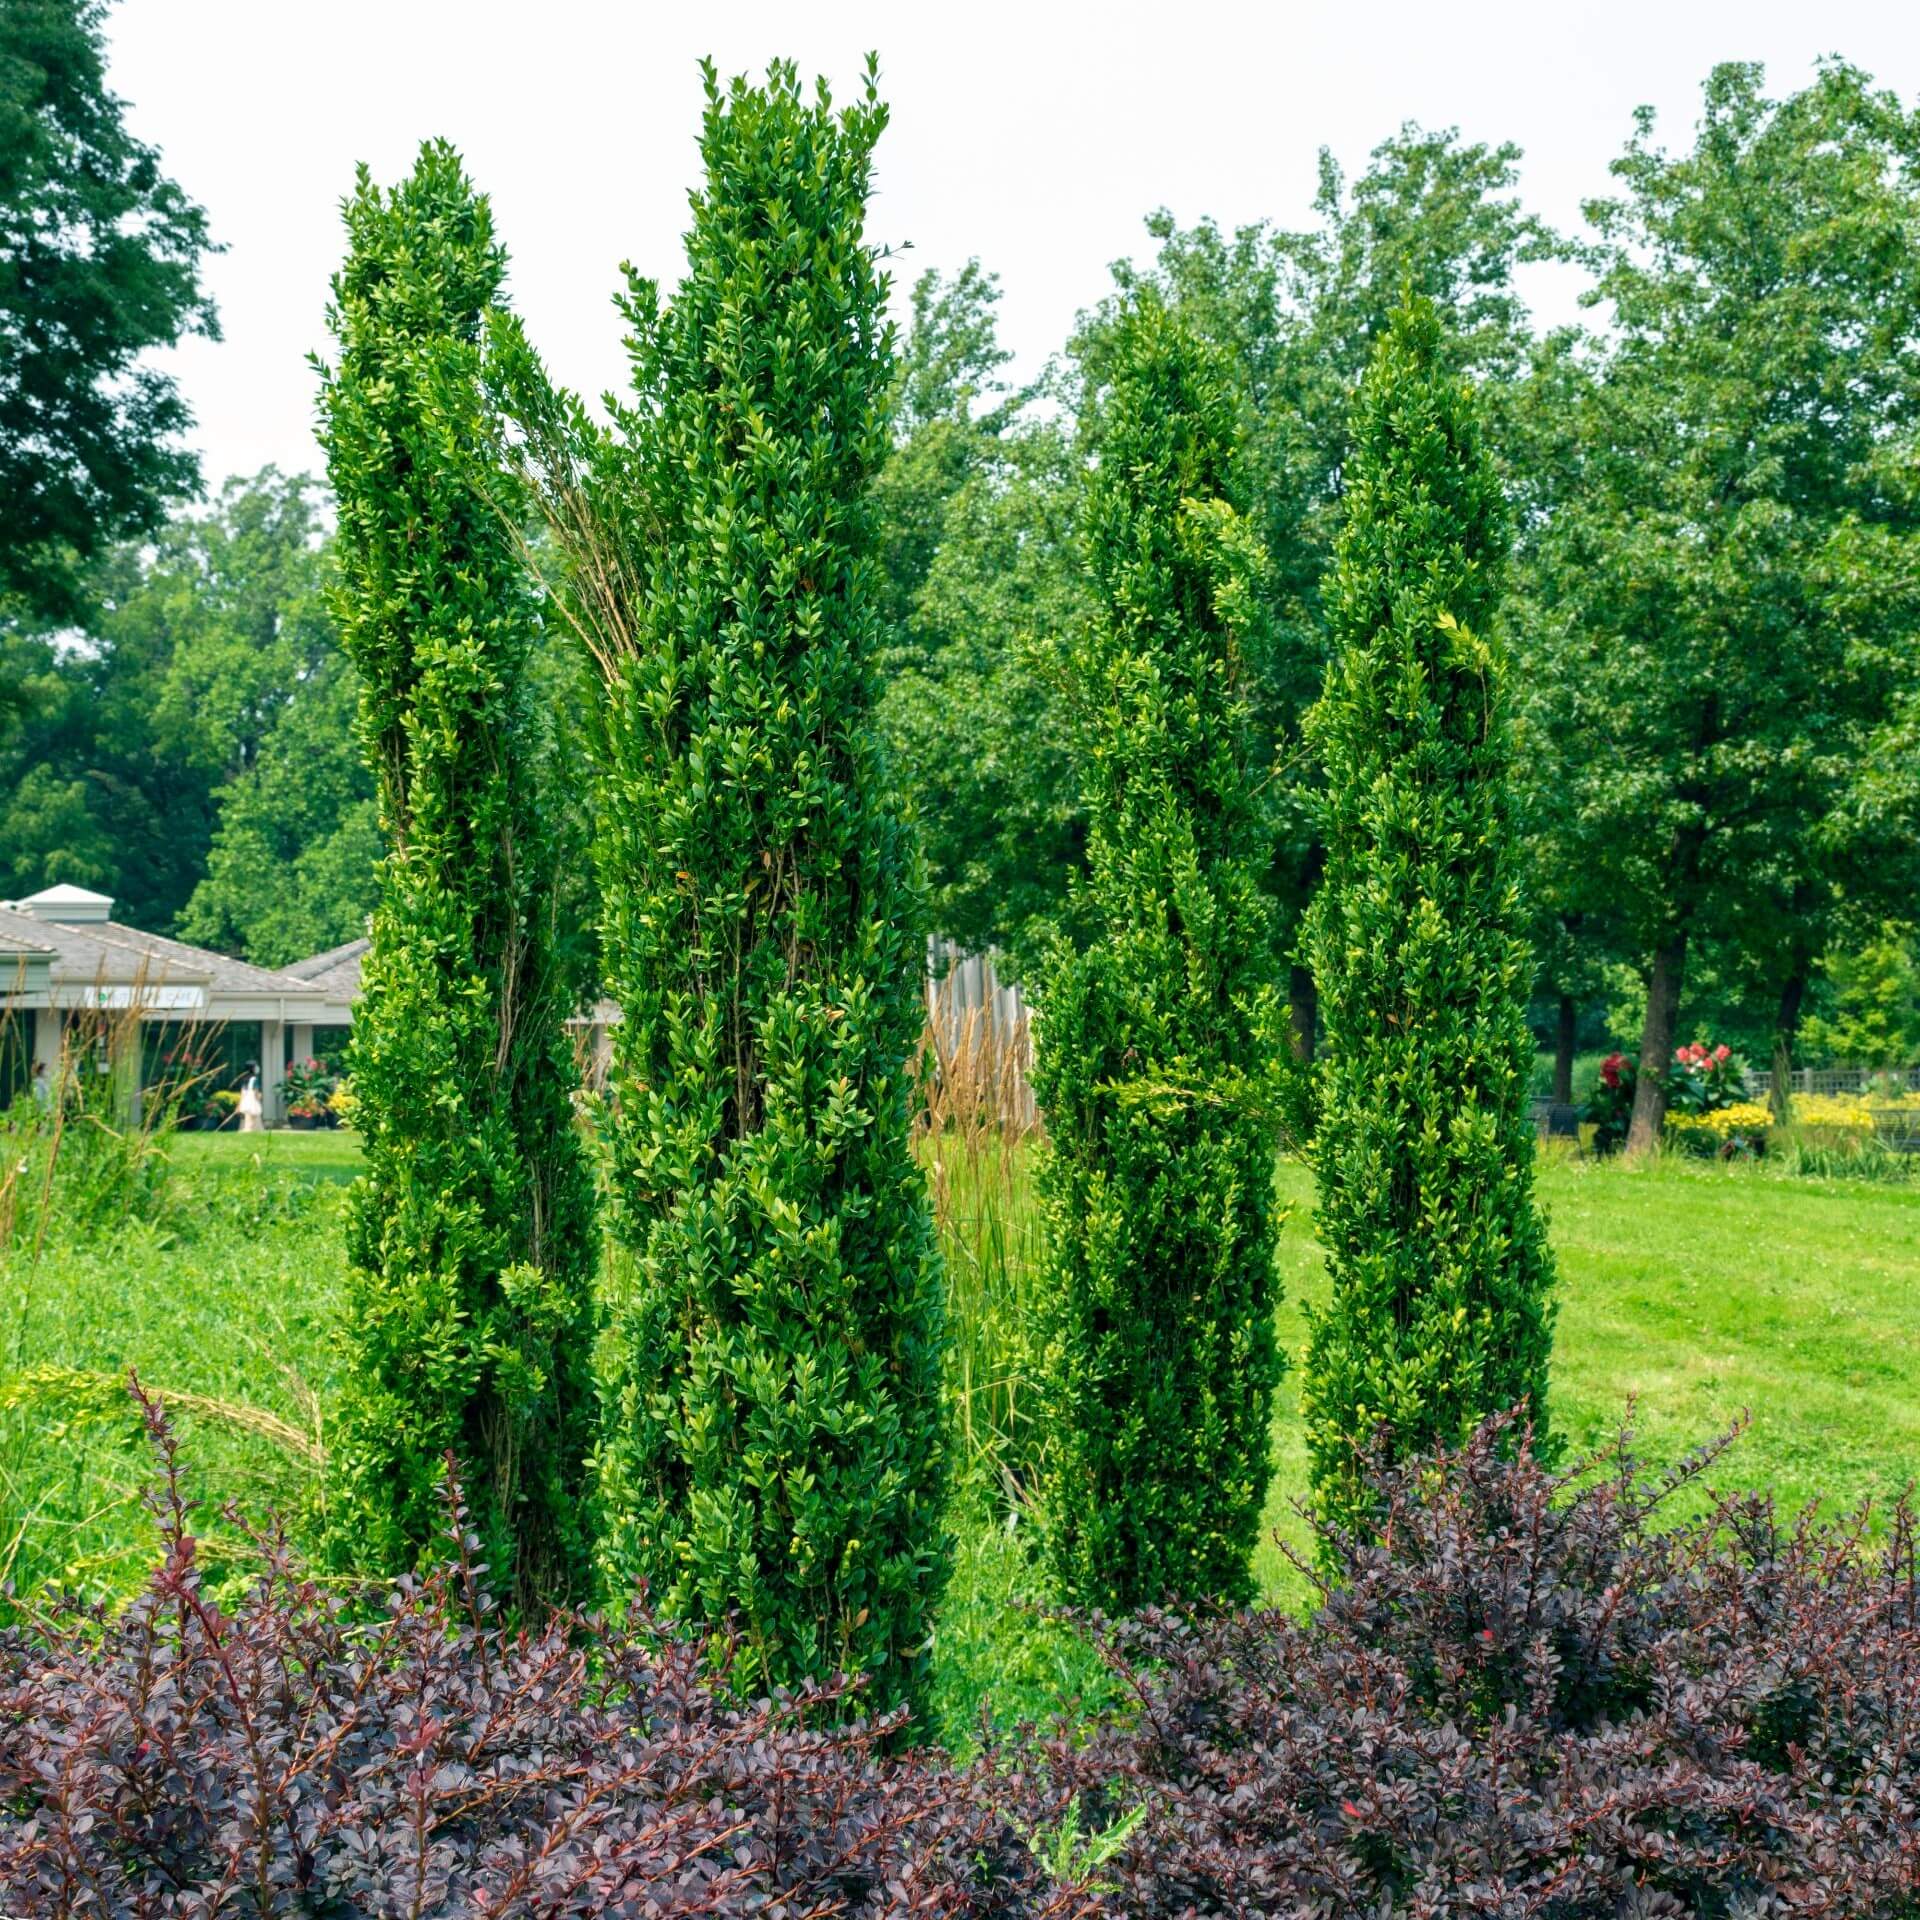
point(84, 954)
point(335, 973)
point(104, 952)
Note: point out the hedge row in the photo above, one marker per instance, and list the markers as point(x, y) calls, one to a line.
point(1530, 1701)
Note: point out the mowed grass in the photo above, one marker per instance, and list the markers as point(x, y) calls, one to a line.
point(1697, 1295)
point(1693, 1296)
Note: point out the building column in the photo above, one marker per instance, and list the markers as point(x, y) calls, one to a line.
point(49, 1031)
point(273, 1071)
point(300, 1046)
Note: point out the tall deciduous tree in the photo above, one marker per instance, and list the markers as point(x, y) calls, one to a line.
point(99, 261)
point(1154, 1332)
point(471, 1251)
point(296, 839)
point(1439, 1309)
point(772, 1445)
point(197, 648)
point(976, 509)
point(1727, 573)
point(976, 525)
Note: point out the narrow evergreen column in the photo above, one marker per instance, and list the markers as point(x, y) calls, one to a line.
point(772, 1438)
point(1423, 1146)
point(471, 1251)
point(1157, 1042)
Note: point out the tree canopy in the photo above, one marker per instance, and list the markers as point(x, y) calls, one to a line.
point(100, 257)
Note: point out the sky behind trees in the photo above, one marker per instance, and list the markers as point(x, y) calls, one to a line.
point(1033, 136)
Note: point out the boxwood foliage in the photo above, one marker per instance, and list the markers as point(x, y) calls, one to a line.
point(771, 1445)
point(1154, 1334)
point(468, 1324)
point(1423, 1151)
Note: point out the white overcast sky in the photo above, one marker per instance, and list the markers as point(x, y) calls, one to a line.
point(1034, 135)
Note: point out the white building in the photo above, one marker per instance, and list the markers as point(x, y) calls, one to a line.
point(62, 952)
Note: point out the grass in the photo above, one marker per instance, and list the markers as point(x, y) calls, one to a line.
point(1702, 1292)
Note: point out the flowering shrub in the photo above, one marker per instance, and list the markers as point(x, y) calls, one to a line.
point(1734, 1132)
point(1848, 1112)
point(1611, 1108)
point(308, 1086)
point(285, 1760)
point(1527, 1701)
point(1704, 1079)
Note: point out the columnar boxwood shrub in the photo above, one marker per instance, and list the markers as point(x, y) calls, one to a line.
point(1154, 1335)
point(1439, 1310)
point(771, 1447)
point(468, 1324)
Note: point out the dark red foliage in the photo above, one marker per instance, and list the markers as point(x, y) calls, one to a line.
point(285, 1760)
point(1536, 1698)
point(1529, 1701)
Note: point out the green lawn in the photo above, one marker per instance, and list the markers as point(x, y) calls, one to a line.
point(1704, 1293)
point(1701, 1294)
point(326, 1154)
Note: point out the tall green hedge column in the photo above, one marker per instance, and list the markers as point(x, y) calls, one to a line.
point(772, 1433)
point(1424, 1149)
point(1157, 1042)
point(471, 1244)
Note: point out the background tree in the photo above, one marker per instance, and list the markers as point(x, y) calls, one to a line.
point(296, 838)
point(1726, 582)
point(1874, 1016)
point(472, 1247)
point(1438, 1312)
point(99, 261)
point(772, 1436)
point(122, 738)
point(976, 510)
point(1154, 1335)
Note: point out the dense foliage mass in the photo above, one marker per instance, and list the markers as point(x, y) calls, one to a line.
point(195, 758)
point(1154, 1344)
point(278, 1760)
point(1725, 552)
point(472, 1245)
point(1423, 1146)
point(1526, 1700)
point(1529, 1700)
point(99, 263)
point(772, 1442)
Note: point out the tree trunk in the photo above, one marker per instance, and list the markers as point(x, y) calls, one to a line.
point(1786, 1029)
point(1656, 1043)
point(1563, 1051)
point(1303, 1005)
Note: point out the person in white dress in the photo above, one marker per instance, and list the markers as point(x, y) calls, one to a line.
point(251, 1111)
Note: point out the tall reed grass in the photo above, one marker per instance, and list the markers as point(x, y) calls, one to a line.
point(975, 1129)
point(83, 1149)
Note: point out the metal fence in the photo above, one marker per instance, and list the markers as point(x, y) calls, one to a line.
point(1839, 1080)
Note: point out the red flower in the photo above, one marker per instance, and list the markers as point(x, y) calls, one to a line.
point(1722, 1053)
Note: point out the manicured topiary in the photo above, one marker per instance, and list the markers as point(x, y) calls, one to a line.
point(468, 1326)
point(1154, 1339)
point(1439, 1311)
point(772, 1440)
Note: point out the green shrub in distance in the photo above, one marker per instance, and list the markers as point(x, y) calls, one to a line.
point(771, 1447)
point(1423, 1153)
point(1157, 1042)
point(468, 1320)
